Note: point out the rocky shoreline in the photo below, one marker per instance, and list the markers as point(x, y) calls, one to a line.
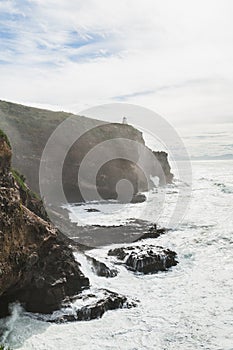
point(38, 267)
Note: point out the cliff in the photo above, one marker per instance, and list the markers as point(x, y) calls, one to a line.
point(162, 158)
point(37, 268)
point(29, 129)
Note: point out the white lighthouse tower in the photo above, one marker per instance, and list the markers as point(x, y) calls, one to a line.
point(124, 120)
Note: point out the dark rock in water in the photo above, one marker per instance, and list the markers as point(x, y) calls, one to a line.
point(99, 235)
point(153, 232)
point(101, 269)
point(120, 253)
point(92, 210)
point(107, 226)
point(94, 307)
point(37, 268)
point(138, 198)
point(146, 258)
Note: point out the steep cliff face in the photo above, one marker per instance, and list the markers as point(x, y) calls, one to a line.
point(29, 129)
point(113, 170)
point(36, 266)
point(162, 157)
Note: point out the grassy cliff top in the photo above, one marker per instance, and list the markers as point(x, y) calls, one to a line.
point(37, 124)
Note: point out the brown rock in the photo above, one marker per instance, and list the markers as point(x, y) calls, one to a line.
point(36, 266)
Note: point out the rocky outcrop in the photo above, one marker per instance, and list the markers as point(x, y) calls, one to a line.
point(36, 266)
point(145, 258)
point(162, 158)
point(30, 128)
point(98, 235)
point(138, 198)
point(95, 306)
point(100, 268)
point(29, 199)
point(153, 232)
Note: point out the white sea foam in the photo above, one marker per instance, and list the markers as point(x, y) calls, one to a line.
point(7, 325)
point(186, 308)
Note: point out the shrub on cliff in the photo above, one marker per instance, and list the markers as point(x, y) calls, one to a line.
point(4, 136)
point(2, 347)
point(20, 179)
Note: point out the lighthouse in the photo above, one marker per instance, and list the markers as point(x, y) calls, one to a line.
point(124, 120)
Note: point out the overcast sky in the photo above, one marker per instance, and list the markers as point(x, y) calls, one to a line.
point(173, 56)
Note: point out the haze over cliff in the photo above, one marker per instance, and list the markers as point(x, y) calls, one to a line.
point(30, 128)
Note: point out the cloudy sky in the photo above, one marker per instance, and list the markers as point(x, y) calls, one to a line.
point(173, 56)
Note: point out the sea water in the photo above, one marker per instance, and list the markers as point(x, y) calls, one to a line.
point(188, 307)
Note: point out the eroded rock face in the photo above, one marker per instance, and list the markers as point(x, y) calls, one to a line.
point(5, 153)
point(36, 266)
point(162, 157)
point(91, 306)
point(146, 258)
point(114, 168)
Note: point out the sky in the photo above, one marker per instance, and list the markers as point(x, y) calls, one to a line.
point(172, 56)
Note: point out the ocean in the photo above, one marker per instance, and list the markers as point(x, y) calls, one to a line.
point(188, 307)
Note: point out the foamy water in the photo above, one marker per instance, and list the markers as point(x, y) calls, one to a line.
point(188, 307)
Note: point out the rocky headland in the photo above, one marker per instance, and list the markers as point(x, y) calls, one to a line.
point(30, 128)
point(37, 265)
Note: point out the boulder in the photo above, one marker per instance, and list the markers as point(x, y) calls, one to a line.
point(95, 306)
point(138, 198)
point(145, 258)
point(92, 210)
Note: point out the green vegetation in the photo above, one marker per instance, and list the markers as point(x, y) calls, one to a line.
point(3, 347)
point(3, 135)
point(20, 179)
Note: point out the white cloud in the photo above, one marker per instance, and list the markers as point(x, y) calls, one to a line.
point(9, 6)
point(172, 56)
